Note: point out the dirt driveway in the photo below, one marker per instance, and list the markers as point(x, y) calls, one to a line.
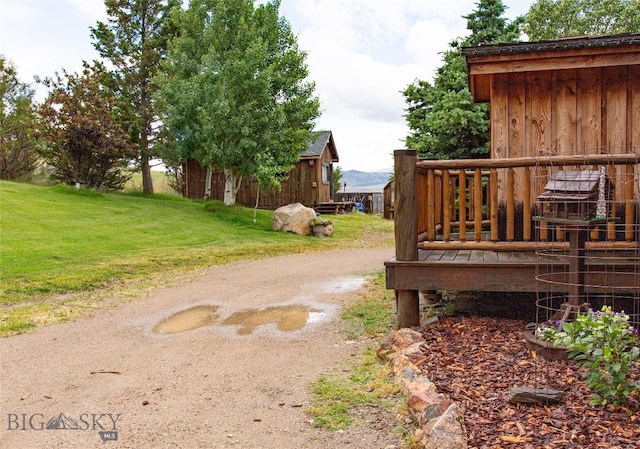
point(112, 382)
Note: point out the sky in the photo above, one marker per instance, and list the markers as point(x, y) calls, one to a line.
point(360, 53)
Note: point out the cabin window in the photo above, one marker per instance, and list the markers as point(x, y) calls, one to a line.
point(325, 173)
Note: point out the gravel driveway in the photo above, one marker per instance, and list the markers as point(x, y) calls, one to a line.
point(110, 381)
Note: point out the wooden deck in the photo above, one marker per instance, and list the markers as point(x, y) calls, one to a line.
point(479, 225)
point(335, 207)
point(509, 271)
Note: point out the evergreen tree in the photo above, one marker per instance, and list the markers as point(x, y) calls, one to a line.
point(444, 121)
point(134, 40)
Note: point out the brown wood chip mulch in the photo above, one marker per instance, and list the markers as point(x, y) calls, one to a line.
point(477, 361)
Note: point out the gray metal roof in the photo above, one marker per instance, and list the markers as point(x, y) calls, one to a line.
point(611, 40)
point(317, 146)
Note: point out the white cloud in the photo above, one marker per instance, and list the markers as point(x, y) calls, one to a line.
point(93, 9)
point(361, 54)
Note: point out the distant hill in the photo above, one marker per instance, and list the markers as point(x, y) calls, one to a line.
point(360, 181)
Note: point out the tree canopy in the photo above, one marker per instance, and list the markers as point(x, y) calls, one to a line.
point(444, 121)
point(84, 143)
point(235, 94)
point(551, 19)
point(134, 41)
point(18, 124)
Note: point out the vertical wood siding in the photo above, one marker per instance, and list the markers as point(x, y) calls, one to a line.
point(565, 112)
point(299, 187)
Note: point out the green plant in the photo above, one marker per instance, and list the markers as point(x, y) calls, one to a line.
point(372, 315)
point(367, 381)
point(320, 221)
point(606, 344)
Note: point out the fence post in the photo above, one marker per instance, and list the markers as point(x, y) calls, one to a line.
point(406, 232)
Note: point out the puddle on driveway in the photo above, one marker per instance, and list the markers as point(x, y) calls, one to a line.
point(286, 318)
point(187, 320)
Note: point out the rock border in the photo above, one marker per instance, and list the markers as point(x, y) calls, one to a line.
point(440, 420)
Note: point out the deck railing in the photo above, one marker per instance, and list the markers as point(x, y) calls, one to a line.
point(492, 203)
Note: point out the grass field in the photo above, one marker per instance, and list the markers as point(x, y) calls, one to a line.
point(58, 245)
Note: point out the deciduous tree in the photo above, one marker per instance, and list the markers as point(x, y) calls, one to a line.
point(444, 121)
point(18, 142)
point(551, 19)
point(84, 142)
point(134, 41)
point(235, 95)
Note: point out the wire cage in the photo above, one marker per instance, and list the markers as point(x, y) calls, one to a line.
point(587, 225)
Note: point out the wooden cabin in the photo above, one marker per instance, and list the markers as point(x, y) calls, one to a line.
point(309, 182)
point(563, 105)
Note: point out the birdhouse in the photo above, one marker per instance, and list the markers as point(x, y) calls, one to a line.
point(577, 195)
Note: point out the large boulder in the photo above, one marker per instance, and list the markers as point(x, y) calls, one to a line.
point(293, 218)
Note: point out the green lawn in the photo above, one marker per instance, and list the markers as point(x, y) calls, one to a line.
point(58, 242)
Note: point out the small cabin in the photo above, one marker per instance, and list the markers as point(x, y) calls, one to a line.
point(309, 182)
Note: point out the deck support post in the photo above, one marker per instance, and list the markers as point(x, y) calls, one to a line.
point(406, 231)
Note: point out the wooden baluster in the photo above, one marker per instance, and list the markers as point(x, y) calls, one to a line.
point(526, 206)
point(542, 178)
point(446, 201)
point(470, 195)
point(493, 195)
point(431, 206)
point(594, 235)
point(438, 190)
point(511, 216)
point(454, 187)
point(560, 229)
point(477, 194)
point(629, 211)
point(611, 226)
point(462, 199)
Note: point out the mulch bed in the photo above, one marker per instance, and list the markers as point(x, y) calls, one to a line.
point(477, 361)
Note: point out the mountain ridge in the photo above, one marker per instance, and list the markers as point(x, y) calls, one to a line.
point(355, 179)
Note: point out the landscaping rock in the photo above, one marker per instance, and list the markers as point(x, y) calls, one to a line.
point(293, 218)
point(446, 431)
point(429, 400)
point(398, 340)
point(439, 418)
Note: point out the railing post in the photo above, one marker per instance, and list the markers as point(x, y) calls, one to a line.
point(406, 232)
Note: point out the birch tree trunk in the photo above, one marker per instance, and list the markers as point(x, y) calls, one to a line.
point(231, 186)
point(207, 186)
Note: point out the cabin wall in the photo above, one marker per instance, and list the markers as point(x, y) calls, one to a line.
point(195, 177)
point(304, 185)
point(565, 112)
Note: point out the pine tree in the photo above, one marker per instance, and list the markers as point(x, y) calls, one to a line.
point(444, 121)
point(134, 41)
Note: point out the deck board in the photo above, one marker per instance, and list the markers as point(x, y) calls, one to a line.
point(449, 255)
point(482, 270)
point(435, 255)
point(490, 256)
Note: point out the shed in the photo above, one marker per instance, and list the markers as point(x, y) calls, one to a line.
point(564, 105)
point(309, 182)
